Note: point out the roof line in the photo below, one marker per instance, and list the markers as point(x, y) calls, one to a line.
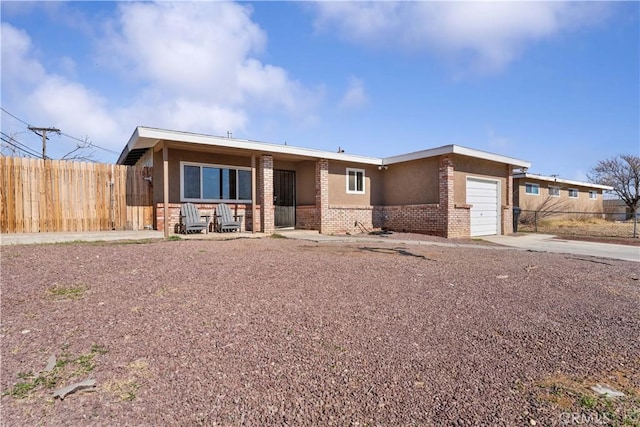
point(456, 149)
point(153, 135)
point(561, 180)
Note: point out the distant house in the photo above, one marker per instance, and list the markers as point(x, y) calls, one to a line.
point(617, 210)
point(547, 193)
point(449, 191)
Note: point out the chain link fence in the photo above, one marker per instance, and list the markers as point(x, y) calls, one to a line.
point(568, 223)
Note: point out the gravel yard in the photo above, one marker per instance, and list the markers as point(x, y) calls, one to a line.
point(283, 332)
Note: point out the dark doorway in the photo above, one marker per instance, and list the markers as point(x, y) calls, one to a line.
point(284, 198)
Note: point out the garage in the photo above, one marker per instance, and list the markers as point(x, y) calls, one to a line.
point(483, 196)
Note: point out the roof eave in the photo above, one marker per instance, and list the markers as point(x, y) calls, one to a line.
point(562, 181)
point(456, 149)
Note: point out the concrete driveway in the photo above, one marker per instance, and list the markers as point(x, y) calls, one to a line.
point(548, 243)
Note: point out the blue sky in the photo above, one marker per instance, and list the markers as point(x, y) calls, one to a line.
point(554, 83)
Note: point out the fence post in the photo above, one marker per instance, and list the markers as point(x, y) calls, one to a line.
point(535, 221)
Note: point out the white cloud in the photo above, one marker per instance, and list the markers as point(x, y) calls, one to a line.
point(73, 108)
point(205, 52)
point(485, 36)
point(194, 66)
point(50, 100)
point(355, 95)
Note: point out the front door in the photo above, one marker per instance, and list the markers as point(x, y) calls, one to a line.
point(284, 198)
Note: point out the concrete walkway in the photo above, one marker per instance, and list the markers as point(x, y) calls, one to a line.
point(547, 243)
point(533, 242)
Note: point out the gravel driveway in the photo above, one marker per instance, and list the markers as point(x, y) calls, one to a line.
point(282, 332)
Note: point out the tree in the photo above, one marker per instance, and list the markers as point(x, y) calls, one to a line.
point(623, 174)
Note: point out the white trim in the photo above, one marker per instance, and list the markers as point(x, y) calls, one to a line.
point(560, 181)
point(357, 171)
point(569, 190)
point(595, 193)
point(557, 187)
point(456, 149)
point(534, 185)
point(210, 165)
point(145, 137)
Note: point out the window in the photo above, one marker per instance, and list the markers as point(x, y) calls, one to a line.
point(532, 189)
point(355, 181)
point(593, 194)
point(554, 191)
point(573, 193)
point(202, 182)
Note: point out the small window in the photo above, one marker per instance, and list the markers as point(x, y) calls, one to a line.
point(355, 181)
point(573, 193)
point(532, 189)
point(554, 191)
point(593, 194)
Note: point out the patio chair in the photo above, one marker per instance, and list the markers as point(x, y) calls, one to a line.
point(191, 221)
point(225, 220)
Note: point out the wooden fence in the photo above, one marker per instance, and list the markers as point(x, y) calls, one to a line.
point(57, 195)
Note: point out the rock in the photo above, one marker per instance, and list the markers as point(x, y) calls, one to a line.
point(606, 390)
point(89, 385)
point(51, 363)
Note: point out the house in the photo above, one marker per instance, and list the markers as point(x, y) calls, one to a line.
point(534, 192)
point(449, 191)
point(617, 210)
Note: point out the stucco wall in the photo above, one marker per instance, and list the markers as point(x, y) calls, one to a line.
point(338, 185)
point(543, 201)
point(472, 167)
point(411, 183)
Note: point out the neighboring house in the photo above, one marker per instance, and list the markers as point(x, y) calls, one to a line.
point(448, 191)
point(547, 193)
point(617, 210)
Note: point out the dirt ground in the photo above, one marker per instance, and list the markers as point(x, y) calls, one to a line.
point(280, 332)
point(592, 230)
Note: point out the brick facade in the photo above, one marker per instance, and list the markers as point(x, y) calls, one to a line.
point(445, 218)
point(265, 191)
point(507, 206)
point(322, 195)
point(205, 209)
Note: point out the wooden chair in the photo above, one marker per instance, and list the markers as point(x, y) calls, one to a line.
point(191, 221)
point(225, 220)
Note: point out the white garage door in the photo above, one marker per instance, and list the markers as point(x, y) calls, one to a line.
point(483, 196)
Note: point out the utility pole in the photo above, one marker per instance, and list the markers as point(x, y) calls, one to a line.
point(43, 134)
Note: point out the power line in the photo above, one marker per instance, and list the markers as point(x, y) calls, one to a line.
point(90, 144)
point(11, 140)
point(17, 144)
point(18, 119)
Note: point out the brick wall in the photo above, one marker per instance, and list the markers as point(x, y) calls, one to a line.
point(507, 206)
point(322, 195)
point(307, 218)
point(205, 209)
point(442, 219)
point(265, 187)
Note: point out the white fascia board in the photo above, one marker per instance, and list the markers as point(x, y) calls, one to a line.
point(456, 149)
point(146, 137)
point(561, 181)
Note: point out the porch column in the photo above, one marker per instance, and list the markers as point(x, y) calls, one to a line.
point(446, 200)
point(267, 223)
point(322, 195)
point(255, 221)
point(165, 188)
point(507, 205)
